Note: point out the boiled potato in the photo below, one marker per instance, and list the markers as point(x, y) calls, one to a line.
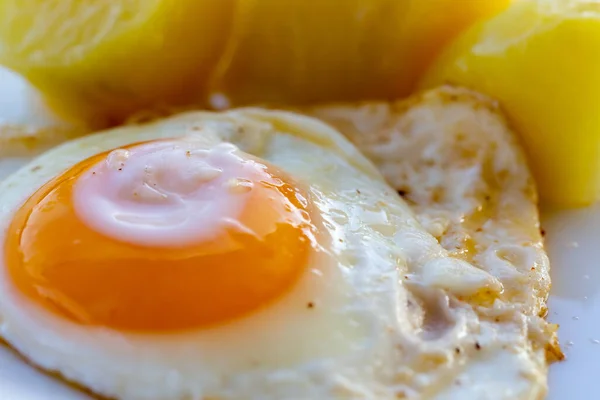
point(302, 51)
point(540, 58)
point(114, 58)
point(111, 58)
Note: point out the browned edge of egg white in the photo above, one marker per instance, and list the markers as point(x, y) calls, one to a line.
point(443, 95)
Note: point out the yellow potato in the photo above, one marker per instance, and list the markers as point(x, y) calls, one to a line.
point(299, 51)
point(540, 58)
point(114, 57)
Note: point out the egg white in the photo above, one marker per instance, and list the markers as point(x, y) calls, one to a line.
point(457, 161)
point(362, 338)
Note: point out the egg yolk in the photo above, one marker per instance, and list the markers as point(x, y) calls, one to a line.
point(161, 236)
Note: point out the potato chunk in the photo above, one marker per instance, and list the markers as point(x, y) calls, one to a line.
point(540, 59)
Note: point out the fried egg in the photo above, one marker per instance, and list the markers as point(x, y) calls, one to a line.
point(453, 157)
point(249, 254)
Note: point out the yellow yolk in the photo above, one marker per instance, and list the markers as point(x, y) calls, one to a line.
point(59, 261)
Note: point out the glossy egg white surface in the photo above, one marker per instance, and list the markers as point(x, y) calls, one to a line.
point(348, 329)
point(574, 303)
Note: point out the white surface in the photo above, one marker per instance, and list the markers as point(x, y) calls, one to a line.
point(573, 239)
point(21, 104)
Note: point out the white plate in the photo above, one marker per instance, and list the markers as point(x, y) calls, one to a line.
point(573, 241)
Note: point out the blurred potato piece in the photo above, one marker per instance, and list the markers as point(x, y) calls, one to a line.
point(302, 51)
point(112, 58)
point(116, 58)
